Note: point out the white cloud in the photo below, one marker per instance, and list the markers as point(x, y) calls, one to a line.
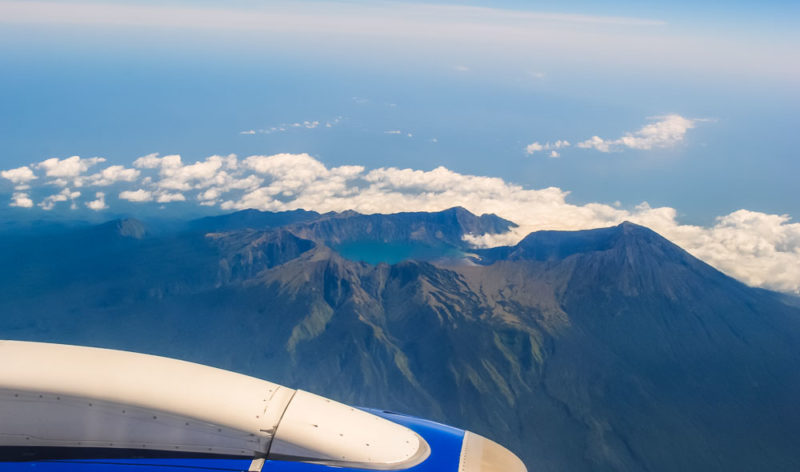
point(170, 197)
point(461, 68)
point(66, 194)
point(595, 142)
point(177, 176)
point(99, 203)
point(21, 200)
point(19, 176)
point(140, 195)
point(283, 127)
point(535, 146)
point(111, 175)
point(152, 161)
point(62, 170)
point(185, 177)
point(666, 131)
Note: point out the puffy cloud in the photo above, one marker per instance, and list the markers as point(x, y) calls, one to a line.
point(596, 142)
point(66, 194)
point(71, 170)
point(290, 172)
point(184, 177)
point(21, 200)
point(19, 176)
point(62, 170)
point(111, 175)
point(761, 249)
point(140, 195)
point(167, 197)
point(534, 147)
point(152, 161)
point(666, 131)
point(174, 175)
point(99, 203)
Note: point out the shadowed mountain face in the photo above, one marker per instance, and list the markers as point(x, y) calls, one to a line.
point(609, 349)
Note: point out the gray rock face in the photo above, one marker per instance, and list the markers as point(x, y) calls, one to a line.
point(609, 349)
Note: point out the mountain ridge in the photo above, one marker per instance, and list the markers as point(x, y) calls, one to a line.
point(609, 349)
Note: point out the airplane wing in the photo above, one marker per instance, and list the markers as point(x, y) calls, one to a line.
point(70, 408)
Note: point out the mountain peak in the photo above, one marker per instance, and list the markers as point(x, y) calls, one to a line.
point(630, 226)
point(131, 228)
point(627, 227)
point(551, 245)
point(123, 227)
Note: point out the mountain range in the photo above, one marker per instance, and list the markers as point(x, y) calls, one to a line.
point(601, 350)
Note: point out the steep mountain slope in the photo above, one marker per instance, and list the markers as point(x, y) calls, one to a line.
point(671, 365)
point(251, 219)
point(609, 349)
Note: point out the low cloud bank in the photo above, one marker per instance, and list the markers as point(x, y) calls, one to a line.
point(758, 248)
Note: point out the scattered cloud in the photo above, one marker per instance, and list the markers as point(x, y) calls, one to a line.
point(64, 170)
point(399, 132)
point(111, 175)
point(167, 197)
point(758, 248)
point(21, 200)
point(99, 203)
point(461, 68)
point(665, 131)
point(283, 127)
point(535, 147)
point(20, 176)
point(140, 195)
point(66, 194)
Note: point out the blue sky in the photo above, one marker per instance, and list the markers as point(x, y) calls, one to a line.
point(468, 86)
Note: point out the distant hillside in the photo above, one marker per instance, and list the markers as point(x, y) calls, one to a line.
point(252, 219)
point(609, 349)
